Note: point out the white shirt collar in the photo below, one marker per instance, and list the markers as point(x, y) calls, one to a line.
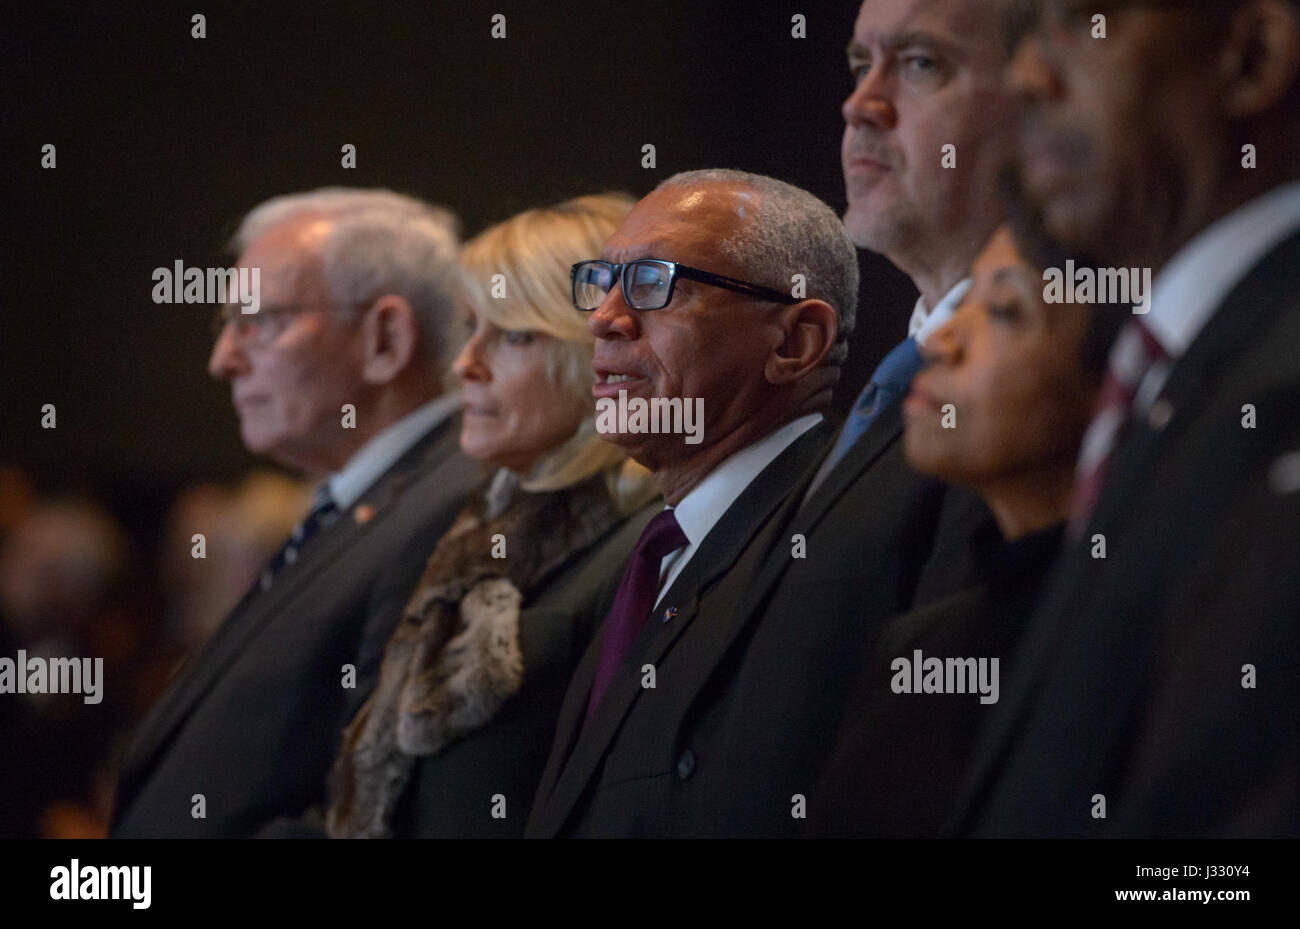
point(699, 511)
point(1195, 282)
point(381, 452)
point(924, 321)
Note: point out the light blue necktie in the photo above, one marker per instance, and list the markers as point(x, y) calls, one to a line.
point(889, 382)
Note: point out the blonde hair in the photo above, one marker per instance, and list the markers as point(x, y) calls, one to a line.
point(533, 252)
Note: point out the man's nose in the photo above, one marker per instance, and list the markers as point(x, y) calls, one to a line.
point(870, 103)
point(614, 319)
point(228, 359)
point(1030, 75)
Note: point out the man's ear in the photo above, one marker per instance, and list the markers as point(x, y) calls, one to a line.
point(810, 328)
point(389, 336)
point(1261, 59)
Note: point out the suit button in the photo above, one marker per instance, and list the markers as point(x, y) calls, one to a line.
point(686, 764)
point(1160, 413)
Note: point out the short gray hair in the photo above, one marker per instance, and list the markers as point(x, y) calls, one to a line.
point(791, 232)
point(379, 242)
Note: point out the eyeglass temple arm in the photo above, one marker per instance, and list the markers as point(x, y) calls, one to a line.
point(731, 283)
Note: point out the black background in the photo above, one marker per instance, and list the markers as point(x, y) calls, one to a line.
point(164, 141)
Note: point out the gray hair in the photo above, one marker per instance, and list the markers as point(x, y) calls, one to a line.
point(379, 242)
point(791, 232)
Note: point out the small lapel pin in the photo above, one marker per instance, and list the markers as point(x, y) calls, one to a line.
point(668, 614)
point(362, 513)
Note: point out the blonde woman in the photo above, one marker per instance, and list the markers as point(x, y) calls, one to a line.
point(453, 740)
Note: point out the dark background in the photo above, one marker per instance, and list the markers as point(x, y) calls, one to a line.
point(163, 141)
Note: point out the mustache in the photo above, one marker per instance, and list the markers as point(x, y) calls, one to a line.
point(1035, 129)
point(1024, 218)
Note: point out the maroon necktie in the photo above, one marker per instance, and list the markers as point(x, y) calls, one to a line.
point(1136, 351)
point(635, 598)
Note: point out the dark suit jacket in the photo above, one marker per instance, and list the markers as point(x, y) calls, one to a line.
point(254, 723)
point(618, 776)
point(763, 712)
point(902, 757)
point(1137, 659)
point(450, 794)
point(881, 540)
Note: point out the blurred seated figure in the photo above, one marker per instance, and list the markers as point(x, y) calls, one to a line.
point(242, 527)
point(16, 495)
point(1000, 408)
point(453, 740)
point(63, 580)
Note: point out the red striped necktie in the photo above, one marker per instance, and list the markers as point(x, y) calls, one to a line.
point(1135, 353)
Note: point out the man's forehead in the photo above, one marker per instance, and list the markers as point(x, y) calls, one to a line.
point(892, 23)
point(287, 246)
point(681, 220)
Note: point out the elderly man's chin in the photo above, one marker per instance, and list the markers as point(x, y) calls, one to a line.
point(630, 442)
point(257, 439)
point(649, 450)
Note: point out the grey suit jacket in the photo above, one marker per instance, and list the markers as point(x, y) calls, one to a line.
point(253, 724)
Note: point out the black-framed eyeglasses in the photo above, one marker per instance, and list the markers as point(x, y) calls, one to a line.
point(648, 283)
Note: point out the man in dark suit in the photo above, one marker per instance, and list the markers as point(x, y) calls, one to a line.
point(864, 538)
point(338, 376)
point(692, 299)
point(1161, 698)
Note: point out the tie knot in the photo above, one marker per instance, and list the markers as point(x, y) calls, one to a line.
point(661, 536)
point(323, 507)
point(1136, 350)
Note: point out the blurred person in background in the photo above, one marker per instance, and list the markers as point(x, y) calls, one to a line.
point(64, 582)
point(244, 526)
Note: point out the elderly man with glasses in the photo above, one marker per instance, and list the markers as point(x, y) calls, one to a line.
point(336, 376)
point(737, 290)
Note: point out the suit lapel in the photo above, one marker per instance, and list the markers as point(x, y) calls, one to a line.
point(887, 427)
point(1245, 312)
point(258, 608)
point(724, 544)
point(878, 438)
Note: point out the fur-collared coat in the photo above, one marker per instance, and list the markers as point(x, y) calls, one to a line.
point(455, 660)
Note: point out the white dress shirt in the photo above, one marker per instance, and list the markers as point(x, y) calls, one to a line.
point(1192, 284)
point(382, 452)
point(925, 321)
point(699, 511)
